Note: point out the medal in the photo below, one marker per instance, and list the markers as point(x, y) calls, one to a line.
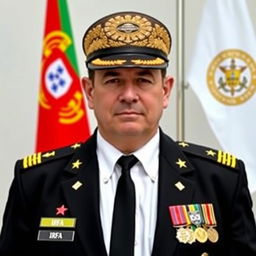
point(210, 221)
point(197, 218)
point(180, 219)
point(201, 235)
point(213, 235)
point(194, 222)
point(192, 238)
point(195, 214)
point(183, 235)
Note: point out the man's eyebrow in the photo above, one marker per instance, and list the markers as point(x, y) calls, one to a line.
point(111, 73)
point(145, 72)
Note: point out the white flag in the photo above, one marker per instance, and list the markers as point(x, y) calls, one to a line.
point(223, 75)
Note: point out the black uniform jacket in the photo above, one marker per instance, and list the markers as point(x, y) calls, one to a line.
point(68, 179)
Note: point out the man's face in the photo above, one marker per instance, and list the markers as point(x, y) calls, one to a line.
point(128, 101)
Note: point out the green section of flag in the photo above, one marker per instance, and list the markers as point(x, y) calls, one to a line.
point(66, 27)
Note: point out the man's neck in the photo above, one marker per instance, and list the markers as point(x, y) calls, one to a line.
point(128, 144)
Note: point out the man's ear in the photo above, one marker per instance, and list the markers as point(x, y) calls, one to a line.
point(88, 89)
point(167, 87)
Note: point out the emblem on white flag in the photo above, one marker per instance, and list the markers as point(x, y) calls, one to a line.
point(231, 77)
point(57, 79)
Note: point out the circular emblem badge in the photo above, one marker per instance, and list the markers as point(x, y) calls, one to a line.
point(231, 77)
point(128, 29)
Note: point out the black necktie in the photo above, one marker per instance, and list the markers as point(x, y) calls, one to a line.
point(123, 223)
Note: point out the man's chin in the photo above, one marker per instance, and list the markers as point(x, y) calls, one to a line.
point(130, 130)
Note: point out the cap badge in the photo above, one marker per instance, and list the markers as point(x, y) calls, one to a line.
point(128, 28)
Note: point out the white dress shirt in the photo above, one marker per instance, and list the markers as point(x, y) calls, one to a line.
point(145, 177)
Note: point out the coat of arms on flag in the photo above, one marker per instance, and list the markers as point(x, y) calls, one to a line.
point(57, 79)
point(62, 116)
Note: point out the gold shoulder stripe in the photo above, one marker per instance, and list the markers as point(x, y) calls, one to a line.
point(32, 160)
point(39, 158)
point(226, 159)
point(218, 156)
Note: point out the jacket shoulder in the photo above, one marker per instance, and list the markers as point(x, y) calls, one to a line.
point(44, 157)
point(217, 156)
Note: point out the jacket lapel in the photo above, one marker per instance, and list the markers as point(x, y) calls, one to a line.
point(81, 191)
point(174, 189)
point(82, 196)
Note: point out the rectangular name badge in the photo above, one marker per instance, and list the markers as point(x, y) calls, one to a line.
point(56, 235)
point(58, 222)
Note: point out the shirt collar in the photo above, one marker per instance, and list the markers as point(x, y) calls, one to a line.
point(108, 154)
point(147, 155)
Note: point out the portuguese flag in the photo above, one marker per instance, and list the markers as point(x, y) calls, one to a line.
point(62, 117)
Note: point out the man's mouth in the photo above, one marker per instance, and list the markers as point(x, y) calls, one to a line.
point(128, 113)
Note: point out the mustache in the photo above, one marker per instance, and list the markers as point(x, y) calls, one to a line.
point(128, 109)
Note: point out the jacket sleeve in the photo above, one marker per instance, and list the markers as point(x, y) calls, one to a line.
point(15, 236)
point(243, 229)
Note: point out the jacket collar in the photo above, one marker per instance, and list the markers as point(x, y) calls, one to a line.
point(175, 188)
point(82, 194)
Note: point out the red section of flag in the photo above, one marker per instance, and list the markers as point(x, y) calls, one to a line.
point(62, 118)
point(52, 21)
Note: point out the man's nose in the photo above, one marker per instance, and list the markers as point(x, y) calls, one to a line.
point(129, 93)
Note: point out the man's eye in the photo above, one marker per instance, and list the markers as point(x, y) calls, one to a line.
point(112, 81)
point(144, 80)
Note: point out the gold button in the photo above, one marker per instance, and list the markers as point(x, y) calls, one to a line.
point(205, 254)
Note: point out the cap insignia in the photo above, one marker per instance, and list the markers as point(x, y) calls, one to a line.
point(101, 62)
point(128, 28)
point(123, 30)
point(156, 61)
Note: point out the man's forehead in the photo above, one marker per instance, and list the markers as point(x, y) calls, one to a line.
point(127, 71)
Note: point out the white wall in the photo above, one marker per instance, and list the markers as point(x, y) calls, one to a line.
point(21, 33)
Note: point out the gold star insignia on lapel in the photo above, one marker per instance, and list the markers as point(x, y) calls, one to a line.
point(76, 164)
point(179, 186)
point(183, 144)
point(75, 146)
point(77, 185)
point(181, 163)
point(210, 153)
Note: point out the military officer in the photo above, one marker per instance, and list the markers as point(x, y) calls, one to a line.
point(130, 189)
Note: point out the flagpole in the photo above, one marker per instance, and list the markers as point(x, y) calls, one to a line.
point(180, 112)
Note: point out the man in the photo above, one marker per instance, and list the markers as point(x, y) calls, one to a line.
point(130, 189)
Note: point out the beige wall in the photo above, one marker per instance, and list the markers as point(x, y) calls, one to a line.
point(21, 30)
